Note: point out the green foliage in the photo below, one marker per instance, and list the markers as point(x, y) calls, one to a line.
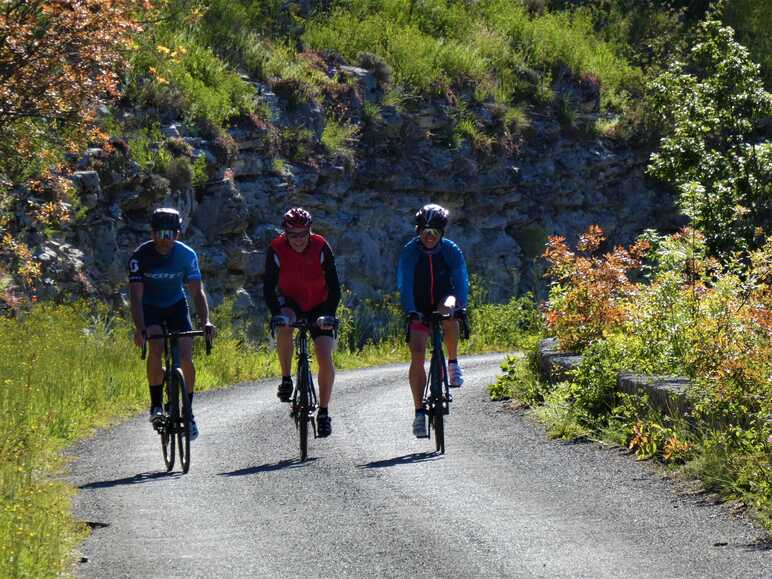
point(436, 44)
point(171, 71)
point(340, 138)
point(709, 112)
point(519, 381)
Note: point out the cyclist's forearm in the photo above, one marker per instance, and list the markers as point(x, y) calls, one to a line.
point(135, 301)
point(202, 307)
point(137, 315)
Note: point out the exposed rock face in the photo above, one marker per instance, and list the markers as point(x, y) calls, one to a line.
point(504, 201)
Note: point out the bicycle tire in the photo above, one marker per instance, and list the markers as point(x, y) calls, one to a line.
point(167, 432)
point(302, 415)
point(436, 396)
point(183, 422)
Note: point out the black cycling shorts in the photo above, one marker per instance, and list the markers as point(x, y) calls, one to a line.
point(177, 316)
point(311, 316)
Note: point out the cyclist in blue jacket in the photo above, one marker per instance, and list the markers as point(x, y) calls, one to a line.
point(157, 270)
point(430, 269)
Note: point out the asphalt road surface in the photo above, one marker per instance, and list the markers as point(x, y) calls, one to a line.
point(373, 501)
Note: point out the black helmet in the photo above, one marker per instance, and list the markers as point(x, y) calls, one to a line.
point(432, 215)
point(166, 218)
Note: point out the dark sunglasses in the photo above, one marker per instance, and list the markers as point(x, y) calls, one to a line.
point(432, 231)
point(297, 234)
point(166, 233)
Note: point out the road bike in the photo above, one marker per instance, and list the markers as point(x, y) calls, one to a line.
point(437, 397)
point(174, 425)
point(304, 402)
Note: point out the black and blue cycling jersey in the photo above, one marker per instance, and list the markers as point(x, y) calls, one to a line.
point(425, 277)
point(163, 276)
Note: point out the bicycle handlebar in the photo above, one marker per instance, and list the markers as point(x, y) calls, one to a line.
point(458, 313)
point(304, 323)
point(190, 333)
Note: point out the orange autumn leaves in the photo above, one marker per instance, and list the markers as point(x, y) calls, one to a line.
point(59, 57)
point(588, 290)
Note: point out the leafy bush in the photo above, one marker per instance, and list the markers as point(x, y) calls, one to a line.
point(709, 111)
point(587, 291)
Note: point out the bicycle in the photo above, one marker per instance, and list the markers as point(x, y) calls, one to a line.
point(175, 423)
point(304, 402)
point(437, 397)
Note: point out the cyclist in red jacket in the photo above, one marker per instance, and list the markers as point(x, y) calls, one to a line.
point(301, 281)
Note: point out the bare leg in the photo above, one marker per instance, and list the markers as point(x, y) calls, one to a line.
point(323, 346)
point(186, 362)
point(284, 343)
point(417, 372)
point(155, 373)
point(451, 333)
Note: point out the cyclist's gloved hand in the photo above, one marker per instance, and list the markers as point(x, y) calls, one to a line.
point(140, 337)
point(279, 321)
point(326, 322)
point(210, 330)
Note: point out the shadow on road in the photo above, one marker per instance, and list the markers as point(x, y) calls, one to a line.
point(405, 459)
point(142, 477)
point(289, 463)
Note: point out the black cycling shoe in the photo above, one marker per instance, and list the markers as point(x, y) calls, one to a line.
point(285, 391)
point(323, 425)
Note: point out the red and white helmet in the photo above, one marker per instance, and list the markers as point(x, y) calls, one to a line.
point(296, 217)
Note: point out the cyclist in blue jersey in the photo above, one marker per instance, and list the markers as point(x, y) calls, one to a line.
point(157, 271)
point(431, 268)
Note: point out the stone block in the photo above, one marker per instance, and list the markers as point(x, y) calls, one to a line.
point(666, 393)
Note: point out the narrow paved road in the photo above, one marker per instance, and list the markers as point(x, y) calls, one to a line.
point(373, 501)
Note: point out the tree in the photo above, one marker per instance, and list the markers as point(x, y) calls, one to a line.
point(58, 59)
point(710, 111)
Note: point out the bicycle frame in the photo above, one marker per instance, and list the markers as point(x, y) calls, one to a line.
point(437, 390)
point(304, 399)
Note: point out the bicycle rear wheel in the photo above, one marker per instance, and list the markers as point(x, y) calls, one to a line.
point(183, 423)
point(167, 430)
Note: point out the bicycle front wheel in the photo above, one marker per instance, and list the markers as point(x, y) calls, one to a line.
point(439, 428)
point(303, 408)
point(183, 423)
point(167, 431)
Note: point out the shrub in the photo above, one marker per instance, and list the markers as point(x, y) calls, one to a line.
point(587, 291)
point(709, 111)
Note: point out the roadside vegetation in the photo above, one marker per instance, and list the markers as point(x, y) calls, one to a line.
point(697, 303)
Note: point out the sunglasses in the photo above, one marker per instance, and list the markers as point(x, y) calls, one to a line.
point(166, 233)
point(432, 231)
point(297, 234)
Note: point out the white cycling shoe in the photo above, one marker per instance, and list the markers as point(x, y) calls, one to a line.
point(455, 375)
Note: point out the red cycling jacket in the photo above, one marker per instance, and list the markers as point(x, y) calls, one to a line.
point(308, 279)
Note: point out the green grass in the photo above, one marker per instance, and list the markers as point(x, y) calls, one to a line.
point(488, 45)
point(69, 369)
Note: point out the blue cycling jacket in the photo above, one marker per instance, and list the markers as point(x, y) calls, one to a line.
point(426, 277)
point(163, 275)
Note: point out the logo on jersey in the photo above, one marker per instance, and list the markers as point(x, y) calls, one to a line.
point(133, 266)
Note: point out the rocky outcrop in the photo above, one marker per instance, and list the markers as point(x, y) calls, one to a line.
point(506, 193)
